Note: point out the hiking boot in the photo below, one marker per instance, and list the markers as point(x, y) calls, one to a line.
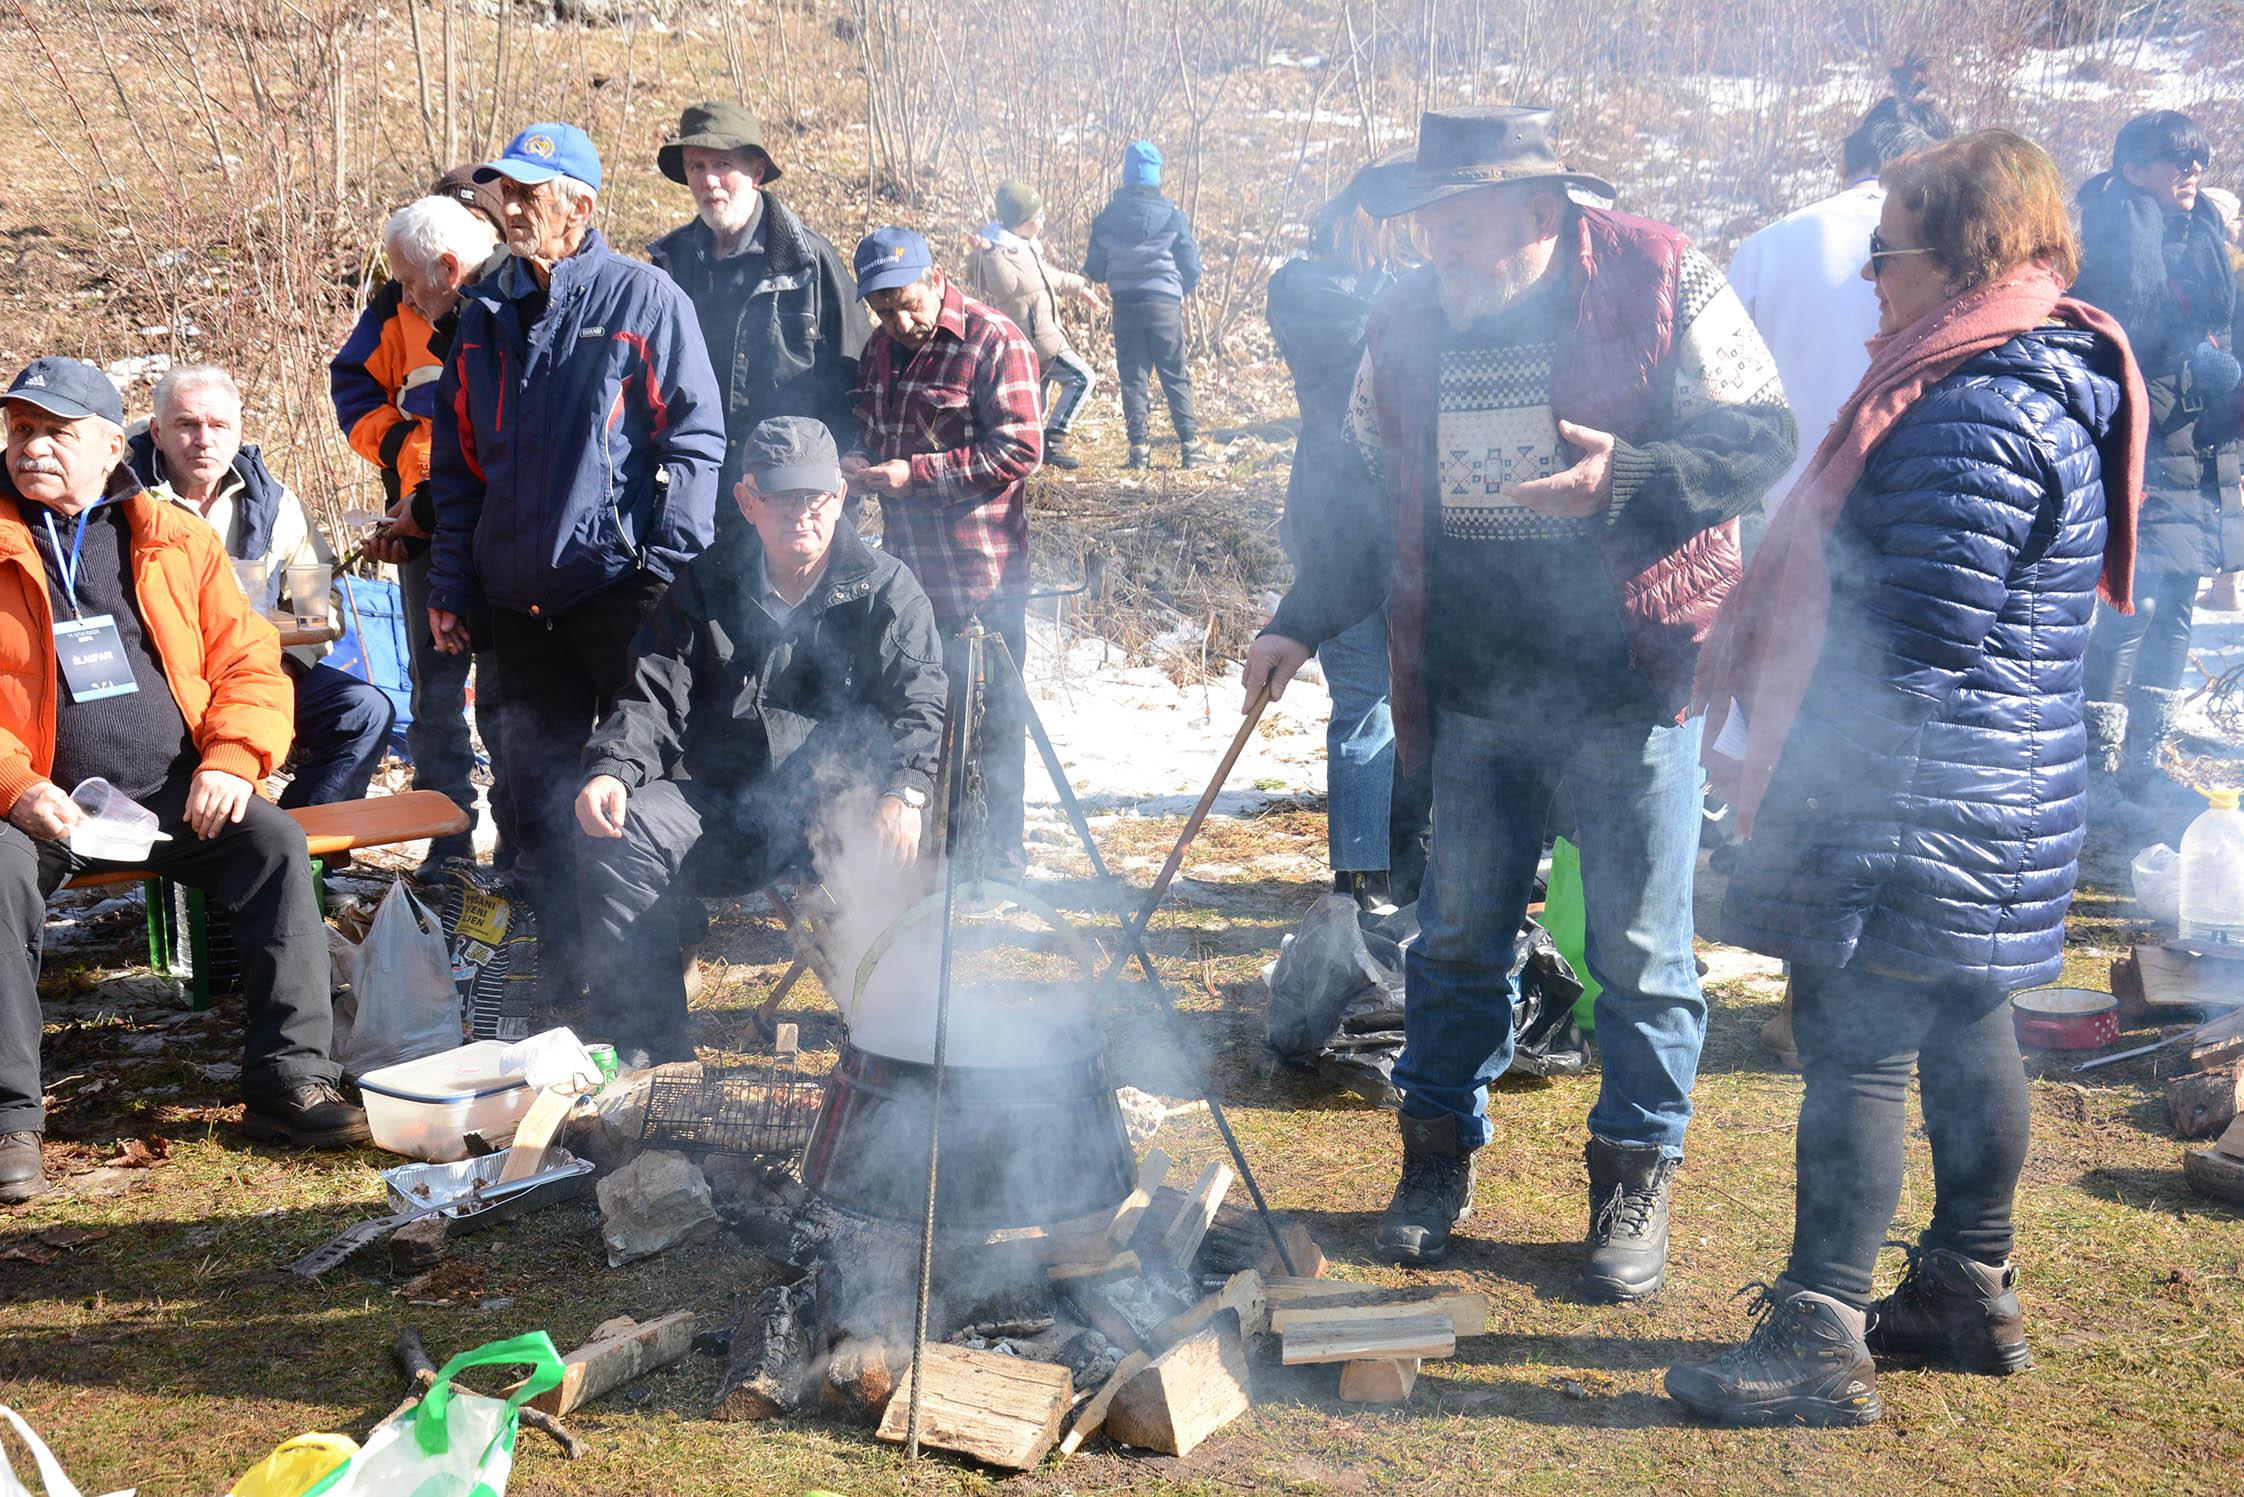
point(1191, 455)
point(1434, 1195)
point(1141, 456)
point(1056, 454)
point(1627, 1242)
point(2107, 736)
point(22, 1176)
point(1952, 1311)
point(309, 1115)
point(1804, 1364)
point(2153, 720)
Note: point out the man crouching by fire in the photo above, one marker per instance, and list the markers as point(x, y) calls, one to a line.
point(1567, 409)
point(790, 678)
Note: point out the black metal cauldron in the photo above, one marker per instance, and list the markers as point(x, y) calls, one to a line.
point(1022, 1146)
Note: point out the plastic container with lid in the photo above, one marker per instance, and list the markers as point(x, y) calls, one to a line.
point(2212, 896)
point(424, 1109)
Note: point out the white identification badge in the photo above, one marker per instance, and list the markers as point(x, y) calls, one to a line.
point(93, 658)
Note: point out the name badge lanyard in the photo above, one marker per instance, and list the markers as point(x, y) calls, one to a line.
point(68, 565)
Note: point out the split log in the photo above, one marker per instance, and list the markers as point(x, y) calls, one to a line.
point(2214, 1174)
point(858, 1374)
point(2217, 1042)
point(1188, 1393)
point(1180, 1243)
point(1401, 1334)
point(2173, 978)
point(2232, 1142)
point(620, 1351)
point(1123, 1225)
point(1378, 1380)
point(770, 1366)
point(2204, 1104)
point(1308, 1258)
point(1003, 1411)
point(1242, 1294)
point(1468, 1313)
point(1120, 1266)
point(1093, 1417)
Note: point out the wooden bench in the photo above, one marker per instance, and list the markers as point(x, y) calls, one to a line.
point(328, 830)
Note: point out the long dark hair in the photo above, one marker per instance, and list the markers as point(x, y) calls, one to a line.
point(2163, 134)
point(1904, 120)
point(1343, 231)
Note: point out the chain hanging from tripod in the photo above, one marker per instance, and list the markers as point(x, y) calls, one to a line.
point(970, 838)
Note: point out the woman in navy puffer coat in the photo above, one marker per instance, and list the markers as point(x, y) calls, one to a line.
point(1915, 779)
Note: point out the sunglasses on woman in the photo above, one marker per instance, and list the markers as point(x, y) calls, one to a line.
point(1880, 252)
point(2186, 162)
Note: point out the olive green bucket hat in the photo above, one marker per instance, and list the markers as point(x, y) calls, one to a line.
point(714, 126)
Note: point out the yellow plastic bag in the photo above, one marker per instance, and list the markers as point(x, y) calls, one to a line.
point(296, 1466)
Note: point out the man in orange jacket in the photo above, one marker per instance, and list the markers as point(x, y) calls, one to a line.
point(129, 654)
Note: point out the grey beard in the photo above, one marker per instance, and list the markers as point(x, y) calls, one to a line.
point(1485, 294)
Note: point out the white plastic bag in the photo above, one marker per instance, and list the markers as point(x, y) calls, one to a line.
point(451, 1444)
point(2157, 873)
point(51, 1475)
point(404, 1004)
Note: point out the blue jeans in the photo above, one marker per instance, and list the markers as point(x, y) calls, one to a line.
point(1359, 747)
point(342, 724)
point(1633, 789)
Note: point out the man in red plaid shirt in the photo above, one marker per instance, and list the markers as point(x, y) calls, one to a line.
point(950, 427)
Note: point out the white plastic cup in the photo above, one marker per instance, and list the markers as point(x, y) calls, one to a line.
point(256, 581)
point(115, 827)
point(308, 589)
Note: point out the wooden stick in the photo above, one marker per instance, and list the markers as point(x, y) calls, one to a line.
point(1153, 896)
point(412, 1359)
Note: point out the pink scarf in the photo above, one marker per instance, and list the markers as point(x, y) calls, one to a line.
point(1769, 634)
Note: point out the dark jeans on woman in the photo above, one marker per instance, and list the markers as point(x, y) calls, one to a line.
point(1149, 339)
point(2149, 647)
point(1860, 1036)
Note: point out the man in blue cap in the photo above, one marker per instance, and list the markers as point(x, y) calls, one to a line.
point(950, 425)
point(573, 466)
point(1141, 246)
point(790, 683)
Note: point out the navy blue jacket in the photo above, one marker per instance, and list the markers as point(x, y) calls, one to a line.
point(1925, 818)
point(1141, 246)
point(575, 449)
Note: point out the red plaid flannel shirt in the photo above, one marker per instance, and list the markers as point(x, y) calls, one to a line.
point(963, 409)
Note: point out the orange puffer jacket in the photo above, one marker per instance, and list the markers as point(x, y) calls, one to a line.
point(221, 658)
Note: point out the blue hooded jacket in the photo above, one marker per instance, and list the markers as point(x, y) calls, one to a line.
point(571, 451)
point(1925, 818)
point(1142, 247)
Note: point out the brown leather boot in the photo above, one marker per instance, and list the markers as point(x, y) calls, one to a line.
point(1776, 1035)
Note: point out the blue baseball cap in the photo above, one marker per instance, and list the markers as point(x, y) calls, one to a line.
point(1141, 164)
point(543, 152)
point(890, 257)
point(69, 388)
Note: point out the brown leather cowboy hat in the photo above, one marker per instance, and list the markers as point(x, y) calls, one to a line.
point(714, 126)
point(1465, 150)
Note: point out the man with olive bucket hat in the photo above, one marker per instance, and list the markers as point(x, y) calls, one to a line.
point(1568, 409)
point(775, 300)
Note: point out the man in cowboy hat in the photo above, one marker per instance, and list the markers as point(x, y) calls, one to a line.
point(775, 300)
point(1568, 409)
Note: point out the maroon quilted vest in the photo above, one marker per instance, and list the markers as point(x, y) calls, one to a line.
point(1615, 365)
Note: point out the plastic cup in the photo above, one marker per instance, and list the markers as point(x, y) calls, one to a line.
point(115, 827)
point(308, 589)
point(257, 583)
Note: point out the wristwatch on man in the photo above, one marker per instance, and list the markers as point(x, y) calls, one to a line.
point(912, 796)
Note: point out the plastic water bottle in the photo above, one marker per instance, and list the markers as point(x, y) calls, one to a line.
point(2213, 875)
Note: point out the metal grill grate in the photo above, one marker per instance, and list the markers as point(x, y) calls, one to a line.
point(760, 1110)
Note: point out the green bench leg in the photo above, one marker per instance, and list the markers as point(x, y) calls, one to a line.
point(198, 951)
point(156, 897)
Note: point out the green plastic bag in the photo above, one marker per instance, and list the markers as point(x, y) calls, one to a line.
point(1563, 917)
point(451, 1444)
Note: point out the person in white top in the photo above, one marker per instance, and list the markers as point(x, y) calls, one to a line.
point(191, 454)
point(1801, 277)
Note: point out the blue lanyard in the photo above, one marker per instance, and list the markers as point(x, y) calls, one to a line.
point(68, 566)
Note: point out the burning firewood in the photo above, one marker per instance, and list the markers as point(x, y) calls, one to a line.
point(770, 1369)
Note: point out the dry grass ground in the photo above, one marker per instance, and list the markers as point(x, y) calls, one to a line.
point(170, 1351)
